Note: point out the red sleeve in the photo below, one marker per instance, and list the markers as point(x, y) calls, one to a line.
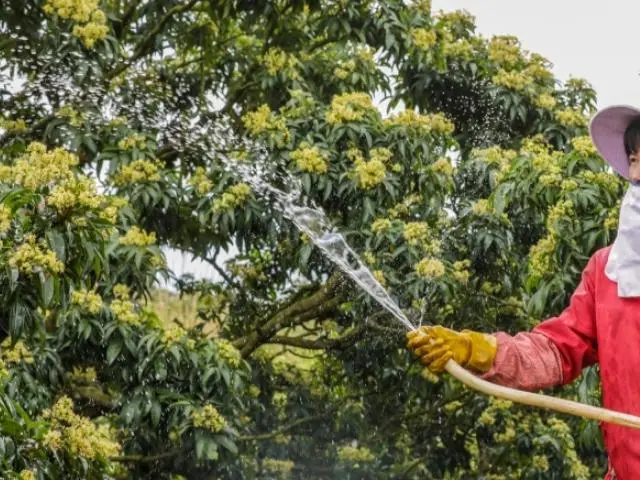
point(526, 361)
point(573, 332)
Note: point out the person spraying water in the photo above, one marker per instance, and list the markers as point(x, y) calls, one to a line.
point(600, 325)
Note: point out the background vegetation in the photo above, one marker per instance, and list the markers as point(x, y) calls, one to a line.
point(457, 166)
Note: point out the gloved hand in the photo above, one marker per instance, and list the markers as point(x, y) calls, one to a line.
point(436, 345)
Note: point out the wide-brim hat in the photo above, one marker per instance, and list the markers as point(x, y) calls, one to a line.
point(607, 129)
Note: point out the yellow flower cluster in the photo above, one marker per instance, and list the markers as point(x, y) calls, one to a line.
point(584, 146)
point(461, 272)
point(133, 141)
point(424, 39)
point(574, 83)
point(349, 107)
point(488, 416)
point(208, 418)
point(138, 171)
point(461, 18)
point(87, 300)
point(13, 126)
point(546, 101)
point(94, 30)
point(345, 69)
point(279, 400)
point(76, 10)
point(433, 122)
point(84, 375)
point(381, 225)
point(137, 237)
point(380, 154)
point(228, 352)
point(175, 334)
point(76, 193)
point(571, 118)
point(122, 307)
point(460, 49)
point(282, 467)
point(611, 222)
point(423, 6)
point(16, 353)
point(430, 268)
point(442, 166)
point(429, 376)
point(415, 232)
point(561, 210)
point(505, 50)
point(264, 120)
point(604, 180)
point(81, 11)
point(277, 60)
point(506, 436)
point(568, 185)
point(309, 159)
point(402, 208)
point(540, 462)
point(77, 434)
point(432, 247)
point(254, 391)
point(38, 168)
point(482, 207)
point(535, 145)
point(551, 172)
point(495, 156)
point(577, 469)
point(540, 256)
point(27, 475)
point(200, 181)
point(514, 80)
point(30, 257)
point(351, 454)
point(110, 211)
point(5, 218)
point(370, 174)
point(538, 72)
point(232, 197)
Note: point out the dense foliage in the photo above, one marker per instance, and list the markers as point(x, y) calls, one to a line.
point(475, 197)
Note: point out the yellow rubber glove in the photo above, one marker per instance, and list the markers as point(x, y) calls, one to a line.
point(436, 345)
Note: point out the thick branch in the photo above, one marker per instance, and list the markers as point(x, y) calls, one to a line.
point(321, 343)
point(320, 304)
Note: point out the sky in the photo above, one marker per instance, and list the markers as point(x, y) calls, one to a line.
point(597, 41)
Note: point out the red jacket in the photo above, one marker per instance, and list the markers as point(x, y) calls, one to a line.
point(598, 326)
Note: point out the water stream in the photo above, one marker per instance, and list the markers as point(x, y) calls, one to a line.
point(314, 223)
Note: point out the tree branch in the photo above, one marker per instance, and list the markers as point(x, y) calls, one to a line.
point(320, 304)
point(146, 458)
point(281, 430)
point(127, 17)
point(320, 344)
point(140, 48)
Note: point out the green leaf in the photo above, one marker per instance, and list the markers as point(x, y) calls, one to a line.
point(115, 347)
